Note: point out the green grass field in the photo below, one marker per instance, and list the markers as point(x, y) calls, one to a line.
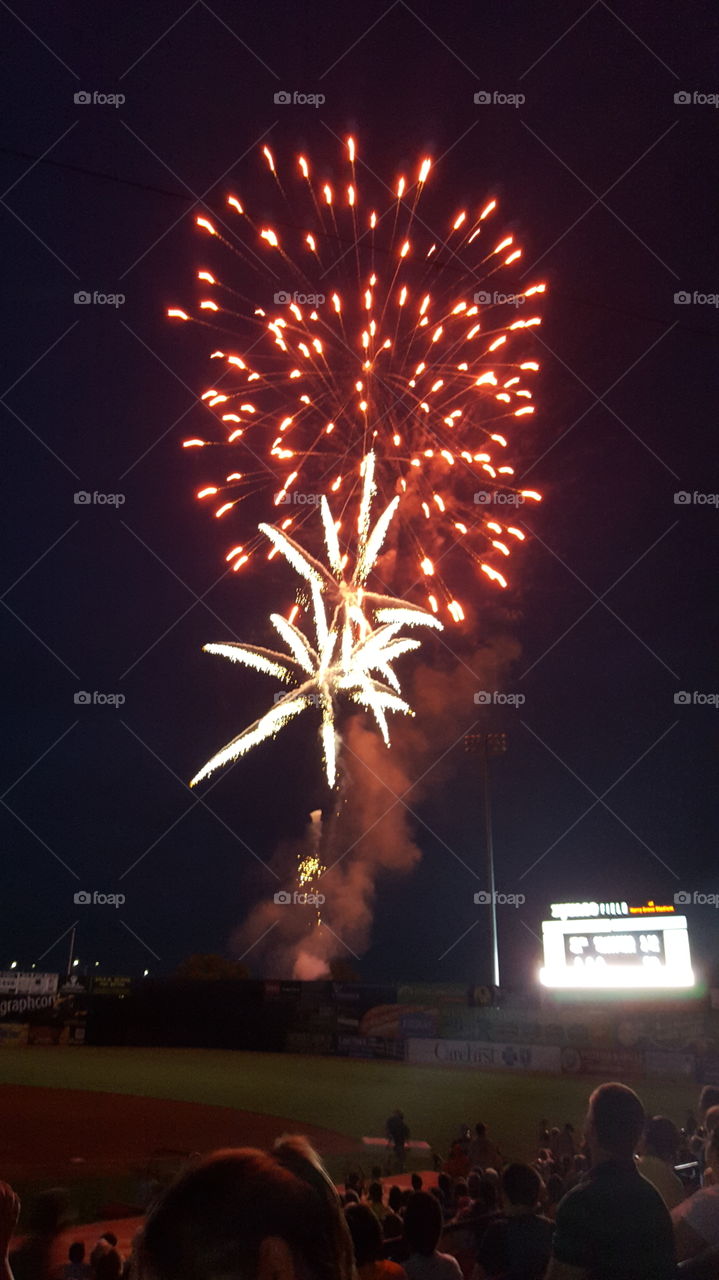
point(353, 1098)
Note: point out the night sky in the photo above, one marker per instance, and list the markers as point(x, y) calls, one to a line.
point(608, 786)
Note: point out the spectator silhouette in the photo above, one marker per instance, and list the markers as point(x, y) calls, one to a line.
point(553, 1195)
point(422, 1230)
point(246, 1215)
point(659, 1156)
point(482, 1152)
point(77, 1268)
point(398, 1135)
point(368, 1245)
point(709, 1097)
point(107, 1241)
point(9, 1213)
point(696, 1220)
point(41, 1256)
point(375, 1191)
point(108, 1266)
point(517, 1245)
point(613, 1225)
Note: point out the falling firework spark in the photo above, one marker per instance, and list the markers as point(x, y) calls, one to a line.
point(376, 336)
point(310, 866)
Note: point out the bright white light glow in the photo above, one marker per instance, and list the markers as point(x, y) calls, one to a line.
point(591, 953)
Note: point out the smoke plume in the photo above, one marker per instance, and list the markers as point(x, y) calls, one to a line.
point(371, 833)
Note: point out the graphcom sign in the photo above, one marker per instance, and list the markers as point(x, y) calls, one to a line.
point(16, 1006)
point(476, 1053)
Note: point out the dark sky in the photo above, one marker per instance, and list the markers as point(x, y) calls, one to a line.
point(608, 786)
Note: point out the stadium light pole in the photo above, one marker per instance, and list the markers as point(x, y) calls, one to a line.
point(485, 745)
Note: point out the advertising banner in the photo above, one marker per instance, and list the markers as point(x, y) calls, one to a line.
point(366, 1009)
point(709, 1069)
point(15, 982)
point(390, 1021)
point(13, 1034)
point(13, 1007)
point(286, 990)
point(74, 996)
point(320, 1042)
point(111, 985)
point(665, 1027)
point(611, 1063)
point(433, 993)
point(538, 1027)
point(669, 1062)
point(476, 1053)
point(424, 1025)
point(49, 1035)
point(370, 1047)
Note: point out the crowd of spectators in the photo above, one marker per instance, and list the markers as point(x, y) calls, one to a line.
point(631, 1198)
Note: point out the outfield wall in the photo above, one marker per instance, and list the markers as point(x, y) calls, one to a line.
point(421, 1023)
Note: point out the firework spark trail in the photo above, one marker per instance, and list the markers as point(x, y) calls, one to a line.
point(349, 650)
point(430, 375)
point(310, 865)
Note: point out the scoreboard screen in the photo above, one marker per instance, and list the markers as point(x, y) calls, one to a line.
point(632, 950)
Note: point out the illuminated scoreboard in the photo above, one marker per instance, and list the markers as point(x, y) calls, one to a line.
point(612, 944)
